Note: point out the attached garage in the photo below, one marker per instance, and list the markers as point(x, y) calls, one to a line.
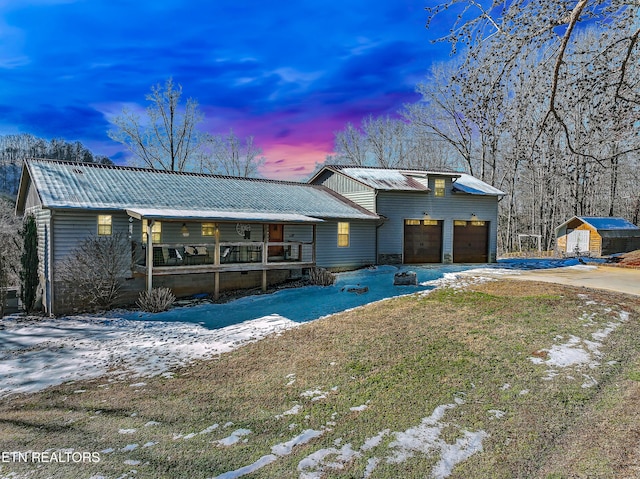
point(422, 241)
point(470, 241)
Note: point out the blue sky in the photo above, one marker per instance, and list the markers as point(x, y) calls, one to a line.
point(290, 73)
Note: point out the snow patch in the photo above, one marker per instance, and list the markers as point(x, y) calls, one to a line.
point(235, 437)
point(36, 355)
point(291, 412)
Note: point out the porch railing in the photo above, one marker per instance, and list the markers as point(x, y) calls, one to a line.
point(230, 253)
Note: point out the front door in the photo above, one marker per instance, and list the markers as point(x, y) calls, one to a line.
point(276, 235)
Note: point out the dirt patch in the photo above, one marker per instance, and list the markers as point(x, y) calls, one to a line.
point(631, 259)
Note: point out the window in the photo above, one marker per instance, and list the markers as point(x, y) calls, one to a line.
point(343, 234)
point(208, 229)
point(430, 222)
point(104, 225)
point(156, 231)
point(459, 223)
point(478, 223)
point(412, 222)
point(439, 190)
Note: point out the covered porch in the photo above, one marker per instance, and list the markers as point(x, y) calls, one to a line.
point(179, 242)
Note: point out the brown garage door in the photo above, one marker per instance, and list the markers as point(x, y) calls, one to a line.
point(470, 241)
point(422, 241)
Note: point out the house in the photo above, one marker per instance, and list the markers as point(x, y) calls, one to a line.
point(429, 217)
point(193, 233)
point(597, 236)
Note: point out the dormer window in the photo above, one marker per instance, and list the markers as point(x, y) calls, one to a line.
point(439, 189)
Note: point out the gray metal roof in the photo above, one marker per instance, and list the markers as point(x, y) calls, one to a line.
point(64, 185)
point(395, 179)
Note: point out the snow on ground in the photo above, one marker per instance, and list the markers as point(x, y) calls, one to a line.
point(38, 353)
point(423, 439)
point(35, 354)
point(579, 354)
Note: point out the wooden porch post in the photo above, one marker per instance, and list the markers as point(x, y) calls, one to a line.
point(265, 255)
point(313, 246)
point(149, 256)
point(216, 262)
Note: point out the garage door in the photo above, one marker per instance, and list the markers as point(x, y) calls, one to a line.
point(422, 241)
point(470, 241)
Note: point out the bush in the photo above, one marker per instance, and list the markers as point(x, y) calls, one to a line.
point(93, 273)
point(157, 300)
point(321, 277)
point(29, 279)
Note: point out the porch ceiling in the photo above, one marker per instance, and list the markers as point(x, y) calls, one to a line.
point(213, 215)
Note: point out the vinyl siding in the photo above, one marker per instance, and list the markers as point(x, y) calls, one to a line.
point(33, 200)
point(70, 228)
point(355, 191)
point(397, 206)
point(360, 252)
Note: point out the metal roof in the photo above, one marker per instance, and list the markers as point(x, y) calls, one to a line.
point(66, 185)
point(397, 179)
point(608, 223)
point(608, 226)
point(474, 186)
point(212, 215)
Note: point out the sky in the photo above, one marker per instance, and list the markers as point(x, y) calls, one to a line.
point(288, 73)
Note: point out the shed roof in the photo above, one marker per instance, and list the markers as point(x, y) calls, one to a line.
point(67, 185)
point(603, 223)
point(396, 179)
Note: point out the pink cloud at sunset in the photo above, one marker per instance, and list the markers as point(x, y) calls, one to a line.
point(293, 162)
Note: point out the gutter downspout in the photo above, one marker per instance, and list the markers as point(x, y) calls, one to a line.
point(149, 256)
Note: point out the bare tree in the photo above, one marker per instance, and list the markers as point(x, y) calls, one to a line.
point(167, 138)
point(93, 273)
point(351, 146)
point(510, 33)
point(14, 149)
point(229, 155)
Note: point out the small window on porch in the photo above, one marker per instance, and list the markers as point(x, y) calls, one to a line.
point(439, 188)
point(156, 231)
point(105, 227)
point(343, 234)
point(208, 229)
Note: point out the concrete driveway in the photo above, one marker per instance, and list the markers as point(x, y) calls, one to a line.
point(610, 278)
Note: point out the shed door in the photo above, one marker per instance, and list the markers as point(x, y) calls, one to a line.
point(578, 240)
point(422, 241)
point(470, 241)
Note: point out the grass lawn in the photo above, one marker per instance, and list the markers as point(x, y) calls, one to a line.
point(504, 379)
